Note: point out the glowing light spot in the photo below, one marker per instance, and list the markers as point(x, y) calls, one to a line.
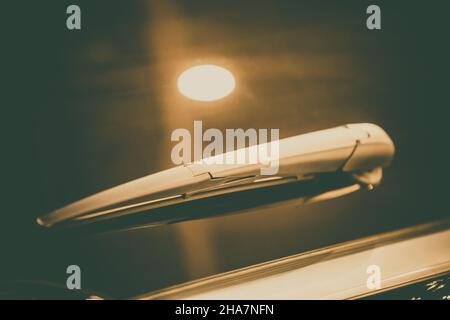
point(206, 83)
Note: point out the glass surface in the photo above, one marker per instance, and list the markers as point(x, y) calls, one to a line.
point(89, 110)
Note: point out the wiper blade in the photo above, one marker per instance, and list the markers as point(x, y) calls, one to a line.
point(357, 150)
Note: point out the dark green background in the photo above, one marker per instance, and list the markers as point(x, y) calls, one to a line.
point(86, 110)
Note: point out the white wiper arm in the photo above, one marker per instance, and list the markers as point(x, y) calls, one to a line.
point(360, 150)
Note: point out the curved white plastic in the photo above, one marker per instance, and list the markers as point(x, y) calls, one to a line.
point(349, 148)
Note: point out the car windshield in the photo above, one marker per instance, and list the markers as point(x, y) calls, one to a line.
point(109, 102)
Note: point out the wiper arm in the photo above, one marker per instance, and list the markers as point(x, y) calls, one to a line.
point(357, 150)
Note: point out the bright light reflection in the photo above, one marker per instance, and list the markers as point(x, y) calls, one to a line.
point(206, 83)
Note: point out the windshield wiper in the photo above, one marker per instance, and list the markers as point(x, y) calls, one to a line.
point(354, 153)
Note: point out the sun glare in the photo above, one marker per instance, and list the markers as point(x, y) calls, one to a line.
point(206, 83)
